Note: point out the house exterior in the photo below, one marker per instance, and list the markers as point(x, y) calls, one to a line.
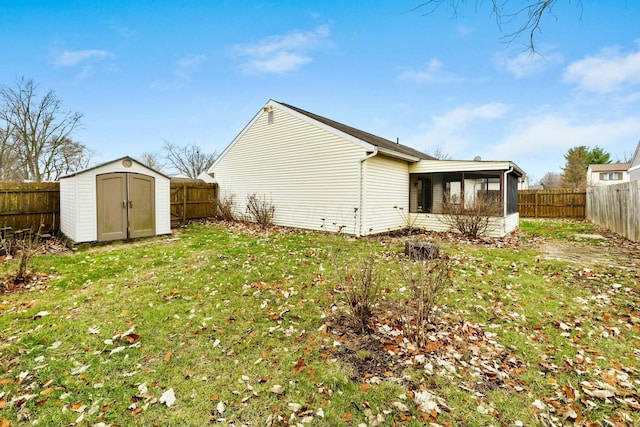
point(323, 175)
point(607, 174)
point(634, 166)
point(120, 199)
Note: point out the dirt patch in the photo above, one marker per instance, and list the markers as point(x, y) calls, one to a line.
point(607, 252)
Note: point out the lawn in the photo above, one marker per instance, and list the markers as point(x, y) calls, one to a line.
point(226, 324)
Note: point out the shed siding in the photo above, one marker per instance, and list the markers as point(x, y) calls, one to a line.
point(385, 195)
point(68, 219)
point(307, 173)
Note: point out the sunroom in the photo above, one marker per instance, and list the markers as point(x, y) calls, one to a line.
point(438, 188)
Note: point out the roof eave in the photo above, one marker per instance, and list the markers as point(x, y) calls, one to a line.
point(398, 155)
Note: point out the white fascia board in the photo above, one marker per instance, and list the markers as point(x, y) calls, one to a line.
point(427, 166)
point(397, 155)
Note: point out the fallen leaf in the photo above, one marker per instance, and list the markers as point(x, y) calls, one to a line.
point(131, 338)
point(300, 365)
point(40, 314)
point(117, 350)
point(168, 397)
point(167, 357)
point(5, 422)
point(277, 389)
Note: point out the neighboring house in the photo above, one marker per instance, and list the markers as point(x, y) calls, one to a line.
point(634, 166)
point(323, 175)
point(607, 174)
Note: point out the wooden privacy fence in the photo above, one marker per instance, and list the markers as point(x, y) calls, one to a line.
point(192, 200)
point(617, 208)
point(24, 205)
point(552, 203)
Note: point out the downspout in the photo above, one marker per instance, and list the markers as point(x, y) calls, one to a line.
point(359, 213)
point(506, 192)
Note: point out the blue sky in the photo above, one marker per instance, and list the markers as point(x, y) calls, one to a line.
point(196, 72)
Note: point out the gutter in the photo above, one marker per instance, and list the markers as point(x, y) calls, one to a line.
point(359, 213)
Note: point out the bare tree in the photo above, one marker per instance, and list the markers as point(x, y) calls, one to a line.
point(152, 160)
point(8, 156)
point(440, 154)
point(39, 132)
point(526, 16)
point(71, 156)
point(188, 159)
point(551, 181)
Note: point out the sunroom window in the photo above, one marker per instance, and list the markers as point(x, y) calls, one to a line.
point(429, 192)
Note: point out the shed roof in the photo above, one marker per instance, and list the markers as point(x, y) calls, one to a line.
point(110, 162)
point(363, 136)
point(608, 167)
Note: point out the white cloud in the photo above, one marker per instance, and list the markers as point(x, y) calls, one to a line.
point(279, 54)
point(73, 58)
point(538, 143)
point(189, 64)
point(433, 73)
point(609, 71)
point(451, 130)
point(526, 64)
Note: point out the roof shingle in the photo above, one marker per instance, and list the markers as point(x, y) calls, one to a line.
point(364, 136)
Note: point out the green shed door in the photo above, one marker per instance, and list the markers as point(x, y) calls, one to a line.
point(126, 206)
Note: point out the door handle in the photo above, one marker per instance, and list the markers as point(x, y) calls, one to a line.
point(130, 203)
point(124, 204)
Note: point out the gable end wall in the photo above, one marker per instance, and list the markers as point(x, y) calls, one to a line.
point(309, 174)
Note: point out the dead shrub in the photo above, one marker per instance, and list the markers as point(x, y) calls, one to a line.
point(23, 248)
point(426, 280)
point(225, 208)
point(260, 210)
point(361, 286)
point(470, 219)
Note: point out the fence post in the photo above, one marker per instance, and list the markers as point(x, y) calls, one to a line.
point(184, 203)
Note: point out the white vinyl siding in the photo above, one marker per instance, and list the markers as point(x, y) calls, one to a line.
point(309, 174)
point(68, 211)
point(498, 226)
point(78, 201)
point(385, 200)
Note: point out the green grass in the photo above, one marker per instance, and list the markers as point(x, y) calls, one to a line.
point(224, 316)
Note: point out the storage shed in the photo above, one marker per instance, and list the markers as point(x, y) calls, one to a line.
point(120, 199)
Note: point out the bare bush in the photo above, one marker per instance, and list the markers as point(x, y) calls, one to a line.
point(260, 210)
point(471, 219)
point(225, 208)
point(23, 248)
point(361, 285)
point(426, 280)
